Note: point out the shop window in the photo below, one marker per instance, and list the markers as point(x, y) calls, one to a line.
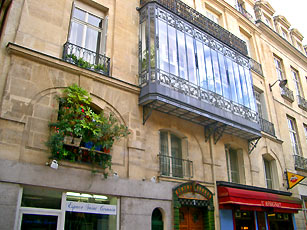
point(235, 165)
point(293, 135)
point(156, 220)
point(88, 30)
point(244, 220)
point(173, 153)
point(280, 221)
point(279, 68)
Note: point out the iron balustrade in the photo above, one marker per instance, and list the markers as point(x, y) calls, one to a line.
point(300, 162)
point(256, 66)
point(86, 59)
point(243, 11)
point(302, 102)
point(287, 93)
point(175, 167)
point(267, 126)
point(193, 16)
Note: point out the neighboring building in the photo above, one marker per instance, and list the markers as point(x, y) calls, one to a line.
point(196, 82)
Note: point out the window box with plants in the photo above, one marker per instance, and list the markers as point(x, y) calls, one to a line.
point(78, 121)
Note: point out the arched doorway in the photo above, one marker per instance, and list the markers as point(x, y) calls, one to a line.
point(156, 220)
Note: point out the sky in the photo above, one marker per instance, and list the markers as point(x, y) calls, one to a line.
point(295, 12)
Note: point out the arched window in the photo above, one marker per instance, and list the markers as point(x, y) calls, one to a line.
point(156, 220)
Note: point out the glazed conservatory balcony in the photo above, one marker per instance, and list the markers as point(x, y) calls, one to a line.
point(186, 72)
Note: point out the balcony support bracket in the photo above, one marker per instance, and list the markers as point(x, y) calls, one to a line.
point(147, 110)
point(252, 144)
point(214, 129)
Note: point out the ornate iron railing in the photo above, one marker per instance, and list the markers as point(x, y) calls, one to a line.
point(287, 93)
point(302, 102)
point(300, 162)
point(175, 167)
point(204, 23)
point(243, 11)
point(267, 127)
point(256, 66)
point(86, 59)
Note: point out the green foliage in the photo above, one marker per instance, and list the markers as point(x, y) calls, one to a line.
point(85, 64)
point(101, 67)
point(77, 119)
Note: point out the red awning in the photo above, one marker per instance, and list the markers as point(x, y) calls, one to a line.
point(229, 196)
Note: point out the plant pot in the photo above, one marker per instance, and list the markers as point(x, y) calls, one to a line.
point(68, 140)
point(77, 141)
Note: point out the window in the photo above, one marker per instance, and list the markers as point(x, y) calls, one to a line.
point(235, 165)
point(248, 45)
point(88, 30)
point(172, 150)
point(293, 136)
point(284, 34)
point(279, 68)
point(305, 130)
point(297, 83)
point(212, 17)
point(270, 172)
point(267, 20)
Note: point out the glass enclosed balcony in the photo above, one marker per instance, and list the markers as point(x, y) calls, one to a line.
point(186, 72)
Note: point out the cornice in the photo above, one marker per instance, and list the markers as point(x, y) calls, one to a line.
point(15, 49)
point(265, 6)
point(282, 20)
point(297, 34)
point(275, 36)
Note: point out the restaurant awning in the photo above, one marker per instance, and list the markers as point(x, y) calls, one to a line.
point(248, 199)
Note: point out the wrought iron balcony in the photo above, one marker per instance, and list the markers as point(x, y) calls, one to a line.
point(287, 93)
point(256, 66)
point(300, 162)
point(302, 102)
point(175, 167)
point(86, 59)
point(193, 16)
point(267, 127)
point(243, 11)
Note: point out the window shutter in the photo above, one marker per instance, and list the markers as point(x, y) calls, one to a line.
point(104, 36)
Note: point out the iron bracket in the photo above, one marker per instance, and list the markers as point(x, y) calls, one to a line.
point(147, 110)
point(252, 144)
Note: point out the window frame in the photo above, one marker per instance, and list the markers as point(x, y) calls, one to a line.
point(279, 67)
point(294, 137)
point(297, 82)
point(240, 171)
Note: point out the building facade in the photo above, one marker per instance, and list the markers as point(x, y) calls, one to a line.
point(212, 92)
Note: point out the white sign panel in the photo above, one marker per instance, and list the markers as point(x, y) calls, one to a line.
point(90, 208)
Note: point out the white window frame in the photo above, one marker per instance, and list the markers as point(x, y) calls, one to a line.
point(279, 68)
point(297, 83)
point(240, 163)
point(294, 138)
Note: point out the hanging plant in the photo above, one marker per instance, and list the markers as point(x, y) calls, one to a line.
point(76, 121)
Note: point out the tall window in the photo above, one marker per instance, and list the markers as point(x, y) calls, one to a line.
point(279, 68)
point(297, 83)
point(172, 149)
point(260, 104)
point(293, 136)
point(305, 130)
point(235, 165)
point(212, 16)
point(284, 34)
point(268, 173)
point(87, 30)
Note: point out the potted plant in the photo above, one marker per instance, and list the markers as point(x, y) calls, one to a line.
point(76, 120)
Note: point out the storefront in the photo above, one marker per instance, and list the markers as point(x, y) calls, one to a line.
point(193, 207)
point(52, 209)
point(252, 208)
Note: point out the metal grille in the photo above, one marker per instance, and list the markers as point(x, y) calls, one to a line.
point(287, 93)
point(175, 167)
point(85, 58)
point(256, 66)
point(302, 103)
point(267, 126)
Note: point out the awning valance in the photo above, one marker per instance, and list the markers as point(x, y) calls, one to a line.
point(234, 196)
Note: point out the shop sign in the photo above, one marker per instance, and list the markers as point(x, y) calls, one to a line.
point(90, 208)
point(193, 191)
point(293, 179)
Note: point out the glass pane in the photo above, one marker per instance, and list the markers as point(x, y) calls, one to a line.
point(163, 49)
point(41, 198)
point(182, 55)
point(234, 168)
point(209, 68)
point(95, 21)
point(79, 14)
point(191, 59)
point(38, 222)
point(144, 59)
point(249, 83)
point(89, 221)
point(224, 77)
point(176, 156)
point(172, 50)
point(92, 39)
point(163, 143)
point(244, 87)
point(201, 66)
point(76, 33)
point(217, 77)
point(238, 83)
point(232, 81)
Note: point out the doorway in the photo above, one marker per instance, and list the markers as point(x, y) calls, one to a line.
point(191, 218)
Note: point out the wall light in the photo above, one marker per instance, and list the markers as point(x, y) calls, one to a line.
point(282, 83)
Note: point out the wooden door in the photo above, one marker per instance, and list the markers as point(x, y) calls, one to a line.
point(191, 218)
